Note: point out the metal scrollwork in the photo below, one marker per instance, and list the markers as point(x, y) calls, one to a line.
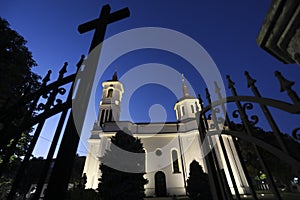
point(237, 127)
point(58, 101)
point(236, 114)
point(296, 133)
point(46, 95)
point(41, 107)
point(61, 91)
point(219, 120)
point(254, 118)
point(209, 116)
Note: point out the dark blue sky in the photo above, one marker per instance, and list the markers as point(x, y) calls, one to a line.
point(227, 30)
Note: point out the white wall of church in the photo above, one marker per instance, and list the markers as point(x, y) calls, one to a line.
point(235, 165)
point(159, 158)
point(191, 150)
point(91, 167)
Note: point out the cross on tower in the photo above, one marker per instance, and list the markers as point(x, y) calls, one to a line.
point(59, 179)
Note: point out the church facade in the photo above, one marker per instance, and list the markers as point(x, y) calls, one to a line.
point(170, 147)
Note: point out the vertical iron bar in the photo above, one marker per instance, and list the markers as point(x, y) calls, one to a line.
point(215, 121)
point(58, 183)
point(217, 183)
point(46, 166)
point(28, 154)
point(24, 164)
point(227, 121)
point(245, 121)
point(286, 85)
point(270, 119)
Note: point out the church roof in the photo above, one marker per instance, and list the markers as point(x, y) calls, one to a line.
point(150, 128)
point(114, 77)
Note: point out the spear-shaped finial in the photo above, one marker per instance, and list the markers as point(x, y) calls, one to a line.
point(63, 70)
point(207, 95)
point(217, 88)
point(286, 85)
point(250, 80)
point(184, 87)
point(46, 78)
point(230, 82)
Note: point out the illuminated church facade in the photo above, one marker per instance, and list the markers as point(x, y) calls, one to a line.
point(170, 147)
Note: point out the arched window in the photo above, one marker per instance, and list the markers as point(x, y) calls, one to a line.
point(182, 110)
point(192, 107)
point(110, 93)
point(175, 161)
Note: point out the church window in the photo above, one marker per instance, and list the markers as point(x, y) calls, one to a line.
point(109, 93)
point(192, 107)
point(182, 110)
point(175, 161)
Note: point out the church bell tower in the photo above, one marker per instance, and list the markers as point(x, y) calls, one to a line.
point(109, 108)
point(187, 106)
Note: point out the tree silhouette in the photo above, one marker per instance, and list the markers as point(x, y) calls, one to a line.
point(282, 172)
point(197, 183)
point(115, 184)
point(16, 79)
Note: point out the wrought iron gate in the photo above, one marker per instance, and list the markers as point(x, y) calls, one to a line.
point(47, 103)
point(15, 123)
point(245, 131)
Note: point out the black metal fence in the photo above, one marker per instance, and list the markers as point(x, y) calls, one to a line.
point(44, 103)
point(245, 130)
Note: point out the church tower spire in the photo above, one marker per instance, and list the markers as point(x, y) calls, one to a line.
point(110, 104)
point(115, 76)
point(184, 87)
point(187, 106)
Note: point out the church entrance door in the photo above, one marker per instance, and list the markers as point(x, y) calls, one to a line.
point(160, 184)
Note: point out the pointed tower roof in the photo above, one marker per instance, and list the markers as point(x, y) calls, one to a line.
point(184, 87)
point(115, 75)
point(185, 91)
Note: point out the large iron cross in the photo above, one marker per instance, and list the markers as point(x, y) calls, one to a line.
point(101, 23)
point(59, 179)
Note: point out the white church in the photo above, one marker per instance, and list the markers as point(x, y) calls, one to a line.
point(170, 147)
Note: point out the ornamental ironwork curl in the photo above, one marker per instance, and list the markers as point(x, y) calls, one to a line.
point(219, 120)
point(296, 133)
point(60, 91)
point(236, 114)
point(254, 118)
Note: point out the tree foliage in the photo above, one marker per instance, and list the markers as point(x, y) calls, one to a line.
point(15, 65)
point(198, 183)
point(80, 193)
point(16, 78)
point(115, 184)
point(282, 172)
